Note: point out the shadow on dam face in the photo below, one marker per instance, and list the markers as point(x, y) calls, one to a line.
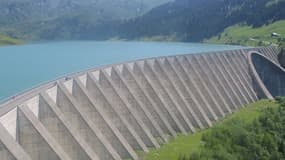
point(111, 112)
point(269, 77)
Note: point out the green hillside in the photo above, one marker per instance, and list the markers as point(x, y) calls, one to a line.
point(249, 36)
point(5, 40)
point(196, 20)
point(186, 145)
point(68, 19)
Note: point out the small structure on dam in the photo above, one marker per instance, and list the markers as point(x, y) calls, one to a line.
point(109, 113)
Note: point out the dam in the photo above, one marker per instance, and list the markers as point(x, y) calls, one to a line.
point(112, 112)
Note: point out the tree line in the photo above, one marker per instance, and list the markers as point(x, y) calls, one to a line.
point(195, 20)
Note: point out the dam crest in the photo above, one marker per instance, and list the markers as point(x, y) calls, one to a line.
point(112, 112)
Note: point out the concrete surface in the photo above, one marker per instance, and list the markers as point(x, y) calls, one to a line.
point(111, 112)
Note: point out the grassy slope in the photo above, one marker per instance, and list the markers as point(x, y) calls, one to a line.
point(5, 40)
point(273, 2)
point(241, 34)
point(185, 145)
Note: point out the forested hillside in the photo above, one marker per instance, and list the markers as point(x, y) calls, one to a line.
point(195, 20)
point(179, 20)
point(66, 19)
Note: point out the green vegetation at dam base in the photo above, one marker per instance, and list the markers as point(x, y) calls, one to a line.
point(5, 40)
point(255, 132)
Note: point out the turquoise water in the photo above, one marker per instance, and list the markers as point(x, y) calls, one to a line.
point(23, 67)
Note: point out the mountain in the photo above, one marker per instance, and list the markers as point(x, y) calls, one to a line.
point(17, 11)
point(196, 20)
point(21, 18)
point(182, 20)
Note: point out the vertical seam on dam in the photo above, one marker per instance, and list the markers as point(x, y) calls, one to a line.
point(167, 127)
point(122, 110)
point(242, 63)
point(171, 117)
point(139, 127)
point(195, 80)
point(242, 78)
point(172, 93)
point(215, 83)
point(93, 128)
point(151, 124)
point(119, 140)
point(172, 74)
point(231, 80)
point(184, 78)
point(236, 74)
point(167, 100)
point(193, 62)
point(220, 80)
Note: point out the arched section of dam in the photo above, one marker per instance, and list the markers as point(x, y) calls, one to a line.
point(270, 79)
point(110, 113)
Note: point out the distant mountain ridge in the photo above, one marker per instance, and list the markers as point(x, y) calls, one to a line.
point(196, 20)
point(19, 10)
point(182, 20)
point(21, 17)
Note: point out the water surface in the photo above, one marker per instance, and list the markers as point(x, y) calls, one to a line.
point(22, 67)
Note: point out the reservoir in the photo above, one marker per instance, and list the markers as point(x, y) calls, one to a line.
point(26, 66)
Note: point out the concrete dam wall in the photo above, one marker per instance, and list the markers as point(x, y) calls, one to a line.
point(112, 112)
